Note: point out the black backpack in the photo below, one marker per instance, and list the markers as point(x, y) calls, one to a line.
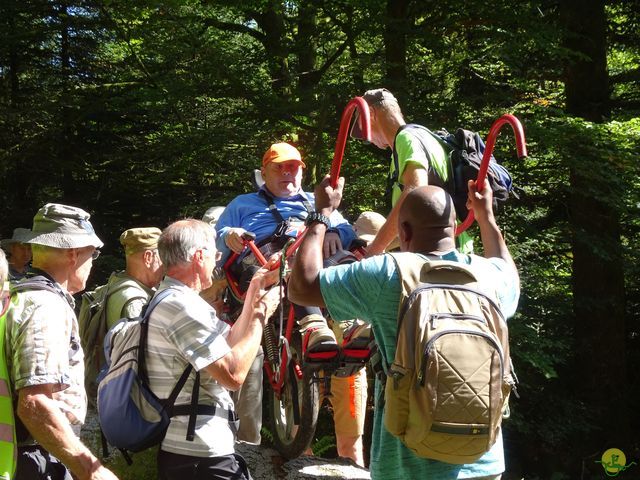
point(465, 155)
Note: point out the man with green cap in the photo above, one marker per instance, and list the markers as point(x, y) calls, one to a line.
point(44, 355)
point(131, 289)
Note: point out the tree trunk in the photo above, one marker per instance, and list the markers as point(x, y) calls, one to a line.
point(65, 142)
point(598, 276)
point(271, 21)
point(308, 79)
point(395, 43)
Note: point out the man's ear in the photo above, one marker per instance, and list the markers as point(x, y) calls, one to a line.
point(71, 256)
point(405, 232)
point(147, 258)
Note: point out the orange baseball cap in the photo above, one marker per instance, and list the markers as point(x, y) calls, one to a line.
point(281, 152)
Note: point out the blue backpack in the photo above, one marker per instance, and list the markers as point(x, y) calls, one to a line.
point(131, 416)
point(465, 149)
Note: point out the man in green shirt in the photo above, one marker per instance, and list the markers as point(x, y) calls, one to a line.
point(131, 289)
point(420, 160)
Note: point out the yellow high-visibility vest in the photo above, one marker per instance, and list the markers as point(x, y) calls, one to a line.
point(8, 444)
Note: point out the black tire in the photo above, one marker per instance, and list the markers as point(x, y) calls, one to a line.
point(291, 439)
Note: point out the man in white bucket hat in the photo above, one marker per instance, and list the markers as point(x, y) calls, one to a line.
point(45, 359)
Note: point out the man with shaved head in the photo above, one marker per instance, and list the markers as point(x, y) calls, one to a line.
point(371, 290)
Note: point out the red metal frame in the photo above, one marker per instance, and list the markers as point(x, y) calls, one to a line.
point(490, 144)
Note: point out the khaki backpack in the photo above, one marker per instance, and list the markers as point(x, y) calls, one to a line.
point(451, 376)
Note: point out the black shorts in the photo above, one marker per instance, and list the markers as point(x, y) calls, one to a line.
point(35, 463)
point(172, 466)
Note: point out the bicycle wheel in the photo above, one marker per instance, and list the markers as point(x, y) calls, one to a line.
point(293, 416)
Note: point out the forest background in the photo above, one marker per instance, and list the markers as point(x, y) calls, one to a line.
point(146, 112)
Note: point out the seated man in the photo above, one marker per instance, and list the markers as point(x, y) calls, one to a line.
point(276, 213)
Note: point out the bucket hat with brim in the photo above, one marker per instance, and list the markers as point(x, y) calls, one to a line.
point(20, 235)
point(62, 226)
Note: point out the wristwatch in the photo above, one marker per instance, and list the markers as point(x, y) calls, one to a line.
point(314, 217)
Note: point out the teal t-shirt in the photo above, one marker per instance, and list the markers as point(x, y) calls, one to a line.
point(370, 290)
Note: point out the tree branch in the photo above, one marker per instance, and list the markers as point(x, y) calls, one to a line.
point(625, 77)
point(234, 27)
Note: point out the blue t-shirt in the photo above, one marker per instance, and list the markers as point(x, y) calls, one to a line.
point(370, 290)
point(251, 212)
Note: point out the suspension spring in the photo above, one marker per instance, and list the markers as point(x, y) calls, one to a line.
point(270, 344)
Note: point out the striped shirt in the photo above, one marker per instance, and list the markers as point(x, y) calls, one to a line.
point(184, 329)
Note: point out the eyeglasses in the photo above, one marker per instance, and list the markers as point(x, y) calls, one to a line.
point(95, 254)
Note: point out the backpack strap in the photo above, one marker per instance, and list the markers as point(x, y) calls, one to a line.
point(144, 330)
point(414, 269)
point(37, 282)
point(394, 177)
point(271, 204)
point(274, 210)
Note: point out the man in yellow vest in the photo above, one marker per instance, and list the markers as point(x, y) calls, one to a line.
point(7, 425)
point(44, 356)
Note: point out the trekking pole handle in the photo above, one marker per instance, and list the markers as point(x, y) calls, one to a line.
point(363, 110)
point(521, 148)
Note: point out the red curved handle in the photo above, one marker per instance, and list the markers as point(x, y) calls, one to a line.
point(363, 109)
point(521, 147)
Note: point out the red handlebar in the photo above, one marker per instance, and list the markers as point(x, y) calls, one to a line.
point(521, 147)
point(363, 109)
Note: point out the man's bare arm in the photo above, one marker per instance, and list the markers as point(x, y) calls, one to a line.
point(246, 334)
point(48, 426)
point(493, 242)
point(304, 284)
point(413, 176)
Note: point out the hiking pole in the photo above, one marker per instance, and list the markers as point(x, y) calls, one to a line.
point(521, 148)
point(362, 106)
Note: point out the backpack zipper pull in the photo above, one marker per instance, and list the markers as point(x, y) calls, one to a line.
point(397, 376)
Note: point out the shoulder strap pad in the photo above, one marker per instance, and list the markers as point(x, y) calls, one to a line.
point(38, 282)
point(414, 270)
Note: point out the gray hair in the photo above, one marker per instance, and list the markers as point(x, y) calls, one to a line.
point(179, 241)
point(4, 269)
point(382, 99)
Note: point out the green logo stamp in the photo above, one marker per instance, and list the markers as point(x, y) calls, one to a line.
point(614, 461)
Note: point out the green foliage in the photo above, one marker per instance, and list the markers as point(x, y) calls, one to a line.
point(145, 112)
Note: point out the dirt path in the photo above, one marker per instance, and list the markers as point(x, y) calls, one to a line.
point(266, 464)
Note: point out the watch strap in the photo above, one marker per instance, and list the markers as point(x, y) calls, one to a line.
point(317, 217)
